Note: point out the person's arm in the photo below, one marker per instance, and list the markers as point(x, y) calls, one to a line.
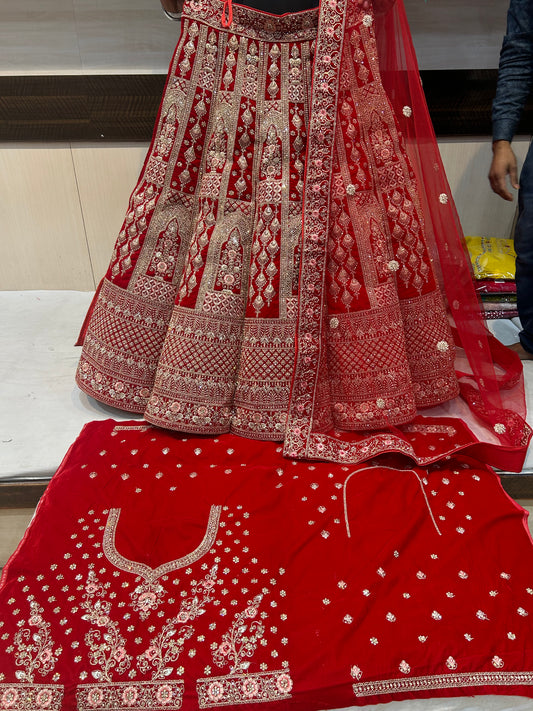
point(503, 164)
point(515, 79)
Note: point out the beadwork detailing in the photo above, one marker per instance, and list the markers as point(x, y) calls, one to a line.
point(249, 688)
point(122, 696)
point(443, 681)
point(31, 697)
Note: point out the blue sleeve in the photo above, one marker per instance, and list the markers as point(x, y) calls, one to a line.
point(515, 74)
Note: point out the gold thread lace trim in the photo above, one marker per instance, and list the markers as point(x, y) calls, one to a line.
point(144, 570)
point(443, 681)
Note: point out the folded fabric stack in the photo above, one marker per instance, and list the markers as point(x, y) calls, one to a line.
point(493, 264)
point(498, 297)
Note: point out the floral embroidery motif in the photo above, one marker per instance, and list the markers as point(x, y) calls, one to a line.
point(240, 641)
point(356, 672)
point(238, 645)
point(167, 646)
point(123, 696)
point(256, 688)
point(106, 644)
point(404, 667)
point(146, 597)
point(31, 697)
point(34, 647)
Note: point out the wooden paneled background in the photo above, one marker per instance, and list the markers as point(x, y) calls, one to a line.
point(62, 202)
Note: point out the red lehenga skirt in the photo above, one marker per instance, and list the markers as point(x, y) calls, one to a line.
point(279, 274)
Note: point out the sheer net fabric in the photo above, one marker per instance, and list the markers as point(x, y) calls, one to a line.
point(291, 264)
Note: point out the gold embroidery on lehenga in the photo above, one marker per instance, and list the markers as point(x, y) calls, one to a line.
point(223, 235)
point(374, 211)
point(203, 241)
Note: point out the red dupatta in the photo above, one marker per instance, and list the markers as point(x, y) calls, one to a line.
point(488, 417)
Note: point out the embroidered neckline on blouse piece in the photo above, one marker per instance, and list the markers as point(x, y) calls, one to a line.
point(144, 570)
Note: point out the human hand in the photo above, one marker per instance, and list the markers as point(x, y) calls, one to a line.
point(503, 165)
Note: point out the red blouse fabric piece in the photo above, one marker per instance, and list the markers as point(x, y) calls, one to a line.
point(166, 572)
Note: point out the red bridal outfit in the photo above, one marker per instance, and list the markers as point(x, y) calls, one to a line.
point(290, 269)
point(290, 266)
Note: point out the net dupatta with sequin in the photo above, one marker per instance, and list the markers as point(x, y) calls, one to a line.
point(368, 110)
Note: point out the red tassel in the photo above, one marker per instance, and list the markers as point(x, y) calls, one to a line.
point(229, 6)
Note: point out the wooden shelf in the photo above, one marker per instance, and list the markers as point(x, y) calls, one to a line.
point(113, 107)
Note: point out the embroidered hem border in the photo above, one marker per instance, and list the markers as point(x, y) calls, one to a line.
point(32, 697)
point(443, 681)
point(244, 689)
point(121, 696)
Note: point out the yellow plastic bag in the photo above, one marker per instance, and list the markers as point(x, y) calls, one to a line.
point(492, 257)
